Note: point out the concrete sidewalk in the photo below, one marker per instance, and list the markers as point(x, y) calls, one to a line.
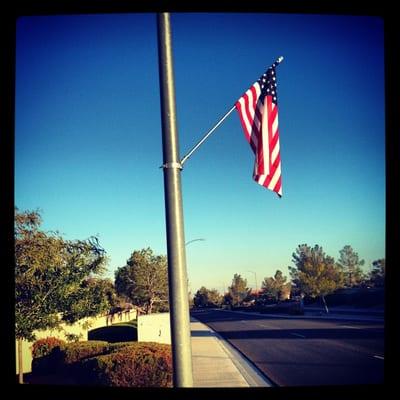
point(217, 364)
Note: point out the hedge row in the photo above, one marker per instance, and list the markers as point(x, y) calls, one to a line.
point(64, 355)
point(112, 364)
point(76, 351)
point(138, 365)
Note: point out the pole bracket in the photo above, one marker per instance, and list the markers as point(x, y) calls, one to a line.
point(172, 165)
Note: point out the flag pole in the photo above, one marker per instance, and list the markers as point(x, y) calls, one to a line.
point(177, 275)
point(206, 136)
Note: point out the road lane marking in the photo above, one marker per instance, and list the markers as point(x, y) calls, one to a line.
point(379, 357)
point(349, 326)
point(297, 334)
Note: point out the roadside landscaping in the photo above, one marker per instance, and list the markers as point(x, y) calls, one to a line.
point(129, 364)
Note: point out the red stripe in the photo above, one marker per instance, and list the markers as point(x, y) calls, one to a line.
point(274, 112)
point(254, 111)
point(248, 109)
point(273, 143)
point(278, 185)
point(269, 110)
point(260, 154)
point(239, 109)
point(247, 134)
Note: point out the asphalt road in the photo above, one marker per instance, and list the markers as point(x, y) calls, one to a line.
point(304, 352)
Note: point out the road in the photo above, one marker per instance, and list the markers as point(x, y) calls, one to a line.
point(304, 352)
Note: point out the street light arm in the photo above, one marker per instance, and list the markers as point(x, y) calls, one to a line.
point(194, 240)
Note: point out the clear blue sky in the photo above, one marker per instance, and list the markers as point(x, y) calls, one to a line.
point(88, 136)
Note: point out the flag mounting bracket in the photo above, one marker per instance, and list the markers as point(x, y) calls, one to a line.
point(172, 165)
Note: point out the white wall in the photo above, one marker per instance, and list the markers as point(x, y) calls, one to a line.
point(154, 328)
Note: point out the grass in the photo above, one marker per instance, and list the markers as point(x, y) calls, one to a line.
point(120, 332)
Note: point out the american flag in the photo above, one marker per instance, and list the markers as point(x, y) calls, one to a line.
point(258, 111)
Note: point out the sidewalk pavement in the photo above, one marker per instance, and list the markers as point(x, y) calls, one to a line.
point(217, 364)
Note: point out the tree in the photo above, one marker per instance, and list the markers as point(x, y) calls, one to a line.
point(377, 274)
point(268, 289)
point(351, 265)
point(144, 280)
point(95, 294)
point(207, 298)
point(55, 279)
point(238, 291)
point(315, 274)
point(275, 288)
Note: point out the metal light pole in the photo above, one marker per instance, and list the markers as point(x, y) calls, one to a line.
point(177, 275)
point(255, 277)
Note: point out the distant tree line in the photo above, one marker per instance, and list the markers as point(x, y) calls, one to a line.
point(314, 274)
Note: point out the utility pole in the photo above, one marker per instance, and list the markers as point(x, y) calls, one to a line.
point(177, 274)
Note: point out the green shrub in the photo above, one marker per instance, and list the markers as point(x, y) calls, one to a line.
point(135, 365)
point(43, 347)
point(113, 347)
point(63, 359)
point(77, 351)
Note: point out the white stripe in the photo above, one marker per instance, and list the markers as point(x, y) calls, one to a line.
point(275, 124)
point(275, 152)
point(275, 177)
point(258, 89)
point(244, 117)
point(298, 334)
point(261, 179)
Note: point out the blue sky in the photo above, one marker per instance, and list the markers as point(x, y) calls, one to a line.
point(88, 136)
